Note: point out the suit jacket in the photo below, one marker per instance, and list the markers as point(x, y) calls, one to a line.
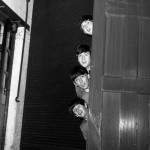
point(94, 127)
point(81, 93)
point(84, 128)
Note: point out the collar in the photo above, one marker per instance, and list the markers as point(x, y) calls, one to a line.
point(87, 90)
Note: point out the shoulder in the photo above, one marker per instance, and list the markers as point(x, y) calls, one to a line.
point(82, 94)
point(84, 128)
point(84, 125)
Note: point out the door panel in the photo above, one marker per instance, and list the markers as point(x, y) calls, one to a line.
point(127, 124)
point(143, 118)
point(144, 45)
point(120, 57)
point(111, 111)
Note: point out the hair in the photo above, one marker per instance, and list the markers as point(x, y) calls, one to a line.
point(77, 71)
point(75, 102)
point(82, 48)
point(86, 17)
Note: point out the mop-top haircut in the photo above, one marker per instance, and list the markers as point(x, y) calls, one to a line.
point(77, 71)
point(75, 102)
point(82, 48)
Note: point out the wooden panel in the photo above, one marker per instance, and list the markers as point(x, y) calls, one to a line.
point(110, 121)
point(127, 123)
point(144, 48)
point(121, 46)
point(126, 84)
point(137, 8)
point(113, 51)
point(143, 121)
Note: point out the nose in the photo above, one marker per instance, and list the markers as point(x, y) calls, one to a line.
point(83, 59)
point(81, 81)
point(88, 29)
point(79, 111)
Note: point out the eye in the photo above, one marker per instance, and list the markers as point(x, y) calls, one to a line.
point(80, 56)
point(83, 26)
point(77, 79)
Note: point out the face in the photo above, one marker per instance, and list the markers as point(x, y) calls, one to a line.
point(82, 81)
point(87, 27)
point(84, 59)
point(79, 111)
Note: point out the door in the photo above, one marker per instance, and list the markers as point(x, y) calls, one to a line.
point(120, 74)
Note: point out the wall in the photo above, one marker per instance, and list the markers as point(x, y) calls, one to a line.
point(47, 124)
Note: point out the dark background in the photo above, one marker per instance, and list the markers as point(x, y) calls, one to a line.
point(47, 125)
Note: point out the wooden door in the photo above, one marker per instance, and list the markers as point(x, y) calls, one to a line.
point(120, 74)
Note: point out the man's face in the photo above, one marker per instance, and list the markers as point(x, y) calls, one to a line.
point(79, 111)
point(87, 27)
point(82, 81)
point(84, 59)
